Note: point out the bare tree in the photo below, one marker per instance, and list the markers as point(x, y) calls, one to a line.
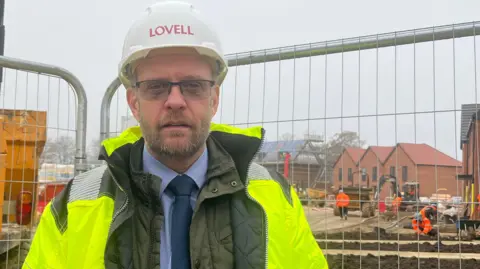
point(93, 151)
point(335, 146)
point(286, 137)
point(59, 151)
point(330, 150)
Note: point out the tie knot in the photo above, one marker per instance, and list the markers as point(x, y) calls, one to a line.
point(182, 185)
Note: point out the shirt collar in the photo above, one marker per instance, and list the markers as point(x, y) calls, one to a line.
point(198, 170)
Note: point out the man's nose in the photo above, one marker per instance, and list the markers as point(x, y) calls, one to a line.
point(175, 99)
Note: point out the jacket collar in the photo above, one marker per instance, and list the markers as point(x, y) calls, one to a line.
point(231, 150)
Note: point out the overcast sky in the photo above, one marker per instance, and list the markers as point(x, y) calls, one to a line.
point(86, 37)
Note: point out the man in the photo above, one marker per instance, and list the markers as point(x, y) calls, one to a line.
point(397, 203)
point(422, 225)
point(179, 192)
point(478, 205)
point(342, 204)
point(429, 211)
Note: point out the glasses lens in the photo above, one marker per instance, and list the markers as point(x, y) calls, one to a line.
point(195, 89)
point(159, 90)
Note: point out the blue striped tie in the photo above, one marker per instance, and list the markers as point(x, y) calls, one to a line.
point(182, 187)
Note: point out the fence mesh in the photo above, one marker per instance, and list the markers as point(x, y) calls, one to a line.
point(38, 115)
point(378, 117)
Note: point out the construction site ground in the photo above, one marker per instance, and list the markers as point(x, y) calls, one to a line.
point(358, 243)
point(14, 245)
point(322, 219)
point(353, 243)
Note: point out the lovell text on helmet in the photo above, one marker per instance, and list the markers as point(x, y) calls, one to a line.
point(176, 29)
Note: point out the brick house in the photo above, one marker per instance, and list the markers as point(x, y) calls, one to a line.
point(345, 169)
point(373, 162)
point(469, 178)
point(424, 164)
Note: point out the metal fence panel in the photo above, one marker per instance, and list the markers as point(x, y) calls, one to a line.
point(42, 145)
point(398, 108)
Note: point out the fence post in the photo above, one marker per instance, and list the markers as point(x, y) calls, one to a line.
point(81, 120)
point(2, 35)
point(105, 109)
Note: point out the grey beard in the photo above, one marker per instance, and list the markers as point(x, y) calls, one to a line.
point(173, 152)
point(156, 145)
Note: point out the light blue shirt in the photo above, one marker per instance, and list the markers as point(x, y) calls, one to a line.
point(198, 172)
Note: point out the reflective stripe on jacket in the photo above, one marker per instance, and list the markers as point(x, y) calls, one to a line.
point(103, 219)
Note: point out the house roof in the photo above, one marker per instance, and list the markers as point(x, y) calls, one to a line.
point(354, 153)
point(270, 149)
point(382, 152)
point(466, 118)
point(292, 146)
point(423, 154)
point(301, 151)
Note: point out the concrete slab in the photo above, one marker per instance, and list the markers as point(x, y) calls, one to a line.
point(9, 238)
point(323, 219)
point(12, 236)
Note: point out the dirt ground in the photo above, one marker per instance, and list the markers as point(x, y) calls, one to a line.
point(424, 247)
point(375, 236)
point(322, 219)
point(15, 257)
point(394, 262)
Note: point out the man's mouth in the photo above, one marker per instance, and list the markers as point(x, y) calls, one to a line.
point(176, 125)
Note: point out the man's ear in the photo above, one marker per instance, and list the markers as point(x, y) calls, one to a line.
point(132, 101)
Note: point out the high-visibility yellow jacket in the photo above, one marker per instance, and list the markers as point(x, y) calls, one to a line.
point(247, 216)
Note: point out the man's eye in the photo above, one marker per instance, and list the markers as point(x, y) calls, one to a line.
point(192, 85)
point(158, 85)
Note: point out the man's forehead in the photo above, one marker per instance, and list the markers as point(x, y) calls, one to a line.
point(173, 51)
point(169, 55)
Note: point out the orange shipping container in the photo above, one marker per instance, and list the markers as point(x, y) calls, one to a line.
point(23, 133)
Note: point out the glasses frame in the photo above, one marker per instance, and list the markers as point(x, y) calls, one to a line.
point(181, 84)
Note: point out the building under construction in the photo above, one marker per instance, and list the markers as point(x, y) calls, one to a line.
point(301, 161)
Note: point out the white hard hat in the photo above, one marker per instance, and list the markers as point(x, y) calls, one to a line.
point(170, 24)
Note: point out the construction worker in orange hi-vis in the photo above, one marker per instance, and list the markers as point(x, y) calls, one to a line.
point(396, 203)
point(478, 205)
point(429, 211)
point(342, 204)
point(422, 225)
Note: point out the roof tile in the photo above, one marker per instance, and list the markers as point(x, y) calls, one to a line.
point(381, 152)
point(423, 154)
point(355, 153)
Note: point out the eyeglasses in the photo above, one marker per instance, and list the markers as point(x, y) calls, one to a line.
point(160, 89)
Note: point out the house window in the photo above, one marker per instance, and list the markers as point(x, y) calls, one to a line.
point(392, 171)
point(374, 173)
point(404, 173)
point(340, 174)
point(364, 174)
point(350, 174)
